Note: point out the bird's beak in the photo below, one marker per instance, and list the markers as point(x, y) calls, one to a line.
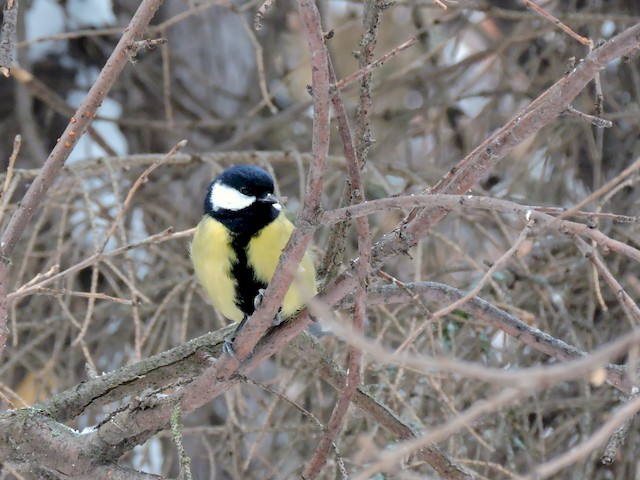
point(268, 198)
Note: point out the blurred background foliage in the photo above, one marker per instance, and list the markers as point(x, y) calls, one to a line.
point(474, 66)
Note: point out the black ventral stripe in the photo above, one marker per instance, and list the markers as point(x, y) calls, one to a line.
point(247, 286)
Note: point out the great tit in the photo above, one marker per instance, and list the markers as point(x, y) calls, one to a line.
point(238, 242)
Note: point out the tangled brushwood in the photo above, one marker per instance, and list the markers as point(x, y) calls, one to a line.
point(465, 175)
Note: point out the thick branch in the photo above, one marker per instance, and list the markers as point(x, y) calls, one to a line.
point(147, 417)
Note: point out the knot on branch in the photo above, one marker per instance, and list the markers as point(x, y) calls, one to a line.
point(134, 47)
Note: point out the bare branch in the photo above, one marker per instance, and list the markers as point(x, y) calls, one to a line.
point(541, 11)
point(262, 318)
point(8, 36)
point(585, 448)
point(75, 129)
point(450, 202)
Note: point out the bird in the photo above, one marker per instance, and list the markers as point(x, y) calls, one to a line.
point(237, 245)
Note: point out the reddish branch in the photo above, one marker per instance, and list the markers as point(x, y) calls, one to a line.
point(356, 192)
point(261, 320)
point(450, 202)
point(530, 120)
point(485, 157)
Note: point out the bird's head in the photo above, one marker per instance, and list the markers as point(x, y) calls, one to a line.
point(242, 199)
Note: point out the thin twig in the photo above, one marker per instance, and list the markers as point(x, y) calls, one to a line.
point(596, 286)
point(134, 188)
point(96, 295)
point(367, 69)
point(585, 41)
point(628, 305)
point(608, 216)
point(616, 441)
point(17, 142)
point(592, 119)
point(166, 83)
point(262, 78)
point(513, 250)
point(72, 133)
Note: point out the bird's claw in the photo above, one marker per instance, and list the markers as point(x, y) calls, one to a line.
point(256, 303)
point(227, 346)
point(258, 299)
point(277, 320)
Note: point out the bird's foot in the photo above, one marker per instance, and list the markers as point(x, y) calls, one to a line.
point(227, 344)
point(227, 347)
point(277, 320)
point(256, 303)
point(258, 299)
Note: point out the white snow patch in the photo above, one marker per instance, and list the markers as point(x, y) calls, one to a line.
point(148, 457)
point(90, 13)
point(44, 19)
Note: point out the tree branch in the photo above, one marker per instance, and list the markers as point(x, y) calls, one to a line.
point(75, 129)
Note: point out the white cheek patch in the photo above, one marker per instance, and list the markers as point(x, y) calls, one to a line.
point(228, 198)
point(277, 206)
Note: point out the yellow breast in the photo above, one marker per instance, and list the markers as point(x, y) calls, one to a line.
point(273, 238)
point(212, 254)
